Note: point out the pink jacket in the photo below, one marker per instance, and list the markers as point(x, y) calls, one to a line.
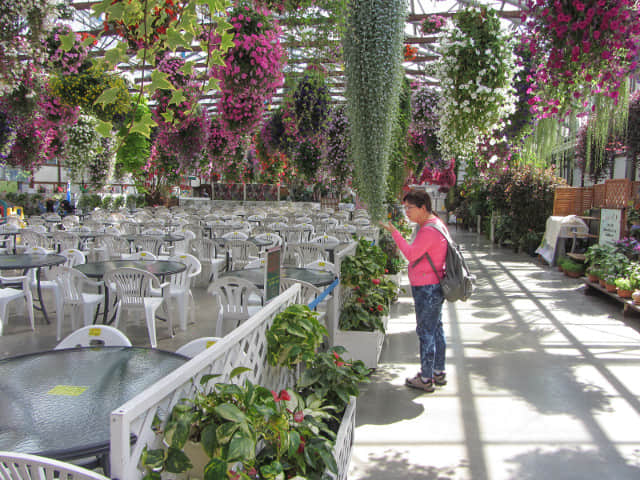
point(427, 239)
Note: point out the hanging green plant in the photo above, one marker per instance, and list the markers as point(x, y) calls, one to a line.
point(372, 45)
point(134, 153)
point(399, 150)
point(101, 166)
point(84, 88)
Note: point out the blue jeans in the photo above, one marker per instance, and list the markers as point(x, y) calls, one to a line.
point(428, 300)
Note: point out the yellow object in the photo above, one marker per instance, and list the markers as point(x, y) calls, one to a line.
point(68, 390)
point(17, 211)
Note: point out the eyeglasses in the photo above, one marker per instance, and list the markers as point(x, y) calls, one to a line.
point(409, 207)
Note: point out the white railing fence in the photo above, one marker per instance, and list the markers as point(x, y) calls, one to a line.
point(245, 346)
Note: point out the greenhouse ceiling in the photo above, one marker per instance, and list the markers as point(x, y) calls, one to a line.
point(300, 54)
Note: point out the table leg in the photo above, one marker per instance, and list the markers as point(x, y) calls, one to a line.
point(39, 289)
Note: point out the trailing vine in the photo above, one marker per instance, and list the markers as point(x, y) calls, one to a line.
point(372, 45)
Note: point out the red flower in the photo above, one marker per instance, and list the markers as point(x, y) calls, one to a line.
point(339, 364)
point(376, 281)
point(298, 416)
point(275, 396)
point(335, 354)
point(284, 395)
point(380, 308)
point(360, 300)
point(301, 446)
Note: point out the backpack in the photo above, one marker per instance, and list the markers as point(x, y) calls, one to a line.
point(457, 282)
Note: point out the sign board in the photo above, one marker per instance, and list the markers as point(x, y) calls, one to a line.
point(272, 274)
point(610, 224)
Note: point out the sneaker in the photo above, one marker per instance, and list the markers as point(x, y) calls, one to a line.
point(440, 379)
point(416, 382)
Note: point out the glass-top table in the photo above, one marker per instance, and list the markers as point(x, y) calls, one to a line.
point(27, 261)
point(319, 278)
point(160, 268)
point(57, 403)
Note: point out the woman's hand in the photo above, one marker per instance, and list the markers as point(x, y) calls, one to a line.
point(387, 226)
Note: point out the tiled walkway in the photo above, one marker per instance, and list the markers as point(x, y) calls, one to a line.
point(543, 383)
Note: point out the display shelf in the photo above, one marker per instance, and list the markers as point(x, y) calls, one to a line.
point(628, 303)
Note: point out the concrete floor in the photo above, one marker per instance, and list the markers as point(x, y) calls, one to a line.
point(543, 383)
point(542, 380)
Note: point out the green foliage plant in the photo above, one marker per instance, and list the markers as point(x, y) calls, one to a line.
point(596, 254)
point(572, 266)
point(332, 378)
point(147, 30)
point(294, 336)
point(369, 293)
point(624, 283)
point(246, 430)
point(372, 45)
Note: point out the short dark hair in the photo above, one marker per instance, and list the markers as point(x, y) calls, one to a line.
point(419, 198)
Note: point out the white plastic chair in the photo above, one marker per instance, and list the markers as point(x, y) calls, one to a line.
point(133, 289)
point(233, 295)
point(196, 346)
point(9, 294)
point(309, 252)
point(74, 257)
point(241, 251)
point(65, 240)
point(326, 240)
point(236, 235)
point(275, 239)
point(94, 335)
point(321, 265)
point(308, 291)
point(71, 291)
point(22, 466)
point(205, 250)
point(179, 290)
point(147, 243)
point(256, 263)
point(141, 255)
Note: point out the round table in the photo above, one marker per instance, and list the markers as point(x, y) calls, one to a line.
point(57, 403)
point(159, 268)
point(319, 278)
point(27, 261)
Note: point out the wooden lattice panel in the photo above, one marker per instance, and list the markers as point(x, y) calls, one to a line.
point(617, 193)
point(599, 195)
point(635, 193)
point(564, 201)
point(585, 202)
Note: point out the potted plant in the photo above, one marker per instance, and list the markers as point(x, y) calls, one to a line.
point(294, 336)
point(365, 310)
point(572, 268)
point(610, 283)
point(593, 274)
point(244, 430)
point(623, 287)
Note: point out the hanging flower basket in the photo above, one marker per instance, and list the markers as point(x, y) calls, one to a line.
point(582, 49)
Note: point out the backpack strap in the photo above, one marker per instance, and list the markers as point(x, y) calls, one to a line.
point(426, 254)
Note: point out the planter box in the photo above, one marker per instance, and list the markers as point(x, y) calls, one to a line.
point(365, 346)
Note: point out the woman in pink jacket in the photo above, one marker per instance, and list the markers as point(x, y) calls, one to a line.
point(425, 287)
